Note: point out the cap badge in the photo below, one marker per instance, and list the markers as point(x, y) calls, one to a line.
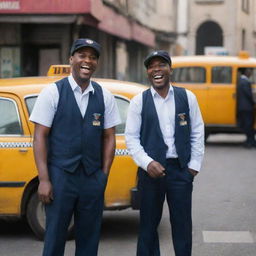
point(155, 53)
point(88, 41)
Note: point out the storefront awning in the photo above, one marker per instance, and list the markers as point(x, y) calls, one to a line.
point(45, 6)
point(120, 26)
point(96, 13)
point(115, 24)
point(143, 35)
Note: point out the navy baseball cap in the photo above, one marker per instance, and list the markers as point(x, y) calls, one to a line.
point(162, 54)
point(85, 42)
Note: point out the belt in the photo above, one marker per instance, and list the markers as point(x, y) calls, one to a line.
point(172, 160)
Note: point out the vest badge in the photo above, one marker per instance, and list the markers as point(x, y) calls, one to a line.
point(182, 119)
point(96, 119)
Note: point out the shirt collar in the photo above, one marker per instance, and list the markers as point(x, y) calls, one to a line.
point(155, 93)
point(75, 86)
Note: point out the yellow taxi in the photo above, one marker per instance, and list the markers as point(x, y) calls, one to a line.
point(213, 79)
point(18, 174)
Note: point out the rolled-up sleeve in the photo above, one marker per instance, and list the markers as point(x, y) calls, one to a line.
point(45, 106)
point(111, 115)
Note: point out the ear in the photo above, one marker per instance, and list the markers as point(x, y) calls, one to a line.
point(71, 60)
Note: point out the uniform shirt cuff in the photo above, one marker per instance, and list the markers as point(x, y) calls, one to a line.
point(146, 162)
point(195, 165)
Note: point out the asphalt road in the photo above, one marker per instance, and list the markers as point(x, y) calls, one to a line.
point(224, 212)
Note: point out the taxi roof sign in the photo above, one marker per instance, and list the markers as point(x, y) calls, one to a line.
point(59, 70)
point(244, 55)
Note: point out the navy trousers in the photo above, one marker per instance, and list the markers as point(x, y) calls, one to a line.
point(176, 186)
point(246, 121)
point(79, 195)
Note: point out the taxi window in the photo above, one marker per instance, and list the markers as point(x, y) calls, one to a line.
point(9, 121)
point(30, 102)
point(221, 75)
point(122, 105)
point(189, 75)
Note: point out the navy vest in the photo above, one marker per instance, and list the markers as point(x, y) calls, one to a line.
point(151, 136)
point(75, 140)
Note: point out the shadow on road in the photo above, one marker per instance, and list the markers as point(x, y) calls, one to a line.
point(226, 140)
point(120, 225)
point(224, 144)
point(15, 228)
point(116, 224)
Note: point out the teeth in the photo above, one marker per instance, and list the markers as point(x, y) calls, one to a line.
point(87, 67)
point(157, 77)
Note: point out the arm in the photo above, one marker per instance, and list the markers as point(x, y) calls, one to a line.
point(40, 153)
point(132, 137)
point(109, 145)
point(248, 91)
point(197, 135)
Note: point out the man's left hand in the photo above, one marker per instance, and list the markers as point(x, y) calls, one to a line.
point(193, 172)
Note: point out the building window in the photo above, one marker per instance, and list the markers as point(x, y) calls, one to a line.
point(9, 62)
point(209, 1)
point(246, 5)
point(243, 39)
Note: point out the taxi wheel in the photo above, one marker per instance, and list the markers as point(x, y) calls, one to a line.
point(36, 218)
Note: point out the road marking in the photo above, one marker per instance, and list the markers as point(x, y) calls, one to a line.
point(227, 237)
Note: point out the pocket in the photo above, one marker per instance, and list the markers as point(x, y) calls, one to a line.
point(190, 174)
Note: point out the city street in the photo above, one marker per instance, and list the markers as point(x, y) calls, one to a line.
point(224, 212)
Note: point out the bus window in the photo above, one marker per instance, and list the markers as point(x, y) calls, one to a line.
point(221, 75)
point(189, 75)
point(253, 77)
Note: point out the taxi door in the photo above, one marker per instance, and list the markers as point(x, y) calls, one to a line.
point(16, 156)
point(221, 97)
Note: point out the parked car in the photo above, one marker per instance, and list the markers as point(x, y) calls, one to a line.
point(18, 174)
point(213, 79)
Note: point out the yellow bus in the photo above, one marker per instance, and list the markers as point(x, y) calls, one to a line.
point(213, 79)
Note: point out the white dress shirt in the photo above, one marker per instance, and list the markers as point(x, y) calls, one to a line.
point(165, 108)
point(47, 103)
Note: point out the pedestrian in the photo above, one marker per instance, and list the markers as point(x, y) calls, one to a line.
point(165, 136)
point(245, 106)
point(74, 145)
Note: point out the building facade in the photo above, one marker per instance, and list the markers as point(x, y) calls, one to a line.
point(216, 27)
point(34, 36)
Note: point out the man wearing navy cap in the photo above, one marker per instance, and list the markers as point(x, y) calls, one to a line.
point(165, 136)
point(74, 145)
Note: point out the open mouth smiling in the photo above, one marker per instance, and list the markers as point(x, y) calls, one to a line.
point(85, 69)
point(158, 77)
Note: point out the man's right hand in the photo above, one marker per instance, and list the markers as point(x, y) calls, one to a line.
point(155, 169)
point(45, 192)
